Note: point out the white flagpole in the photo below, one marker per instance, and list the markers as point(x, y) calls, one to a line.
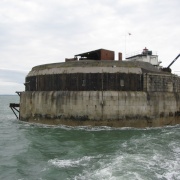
point(129, 34)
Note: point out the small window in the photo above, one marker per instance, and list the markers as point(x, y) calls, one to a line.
point(122, 83)
point(84, 82)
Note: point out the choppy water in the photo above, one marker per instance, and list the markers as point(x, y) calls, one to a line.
point(32, 152)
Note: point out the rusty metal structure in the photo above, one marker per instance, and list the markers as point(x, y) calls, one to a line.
point(15, 106)
point(99, 54)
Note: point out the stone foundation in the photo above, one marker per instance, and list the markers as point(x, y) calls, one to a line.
point(101, 108)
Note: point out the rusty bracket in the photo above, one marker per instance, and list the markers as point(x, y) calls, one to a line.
point(13, 107)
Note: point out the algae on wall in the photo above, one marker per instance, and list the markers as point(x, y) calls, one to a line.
point(112, 106)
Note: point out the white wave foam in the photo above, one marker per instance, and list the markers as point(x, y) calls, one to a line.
point(71, 162)
point(93, 128)
point(152, 164)
point(64, 163)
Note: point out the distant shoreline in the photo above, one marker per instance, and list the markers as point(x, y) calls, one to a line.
point(8, 95)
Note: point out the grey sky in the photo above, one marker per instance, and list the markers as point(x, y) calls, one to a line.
point(34, 32)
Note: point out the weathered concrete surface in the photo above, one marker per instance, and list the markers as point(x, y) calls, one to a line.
point(101, 108)
point(94, 63)
point(72, 70)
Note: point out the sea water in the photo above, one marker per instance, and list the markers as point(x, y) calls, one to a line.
point(33, 151)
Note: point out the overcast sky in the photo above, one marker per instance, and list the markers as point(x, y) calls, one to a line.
point(34, 32)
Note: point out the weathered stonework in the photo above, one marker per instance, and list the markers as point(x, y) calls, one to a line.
point(118, 94)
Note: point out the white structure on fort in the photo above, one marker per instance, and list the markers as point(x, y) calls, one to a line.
point(145, 56)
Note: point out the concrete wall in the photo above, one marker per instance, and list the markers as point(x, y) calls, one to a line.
point(111, 108)
point(161, 83)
